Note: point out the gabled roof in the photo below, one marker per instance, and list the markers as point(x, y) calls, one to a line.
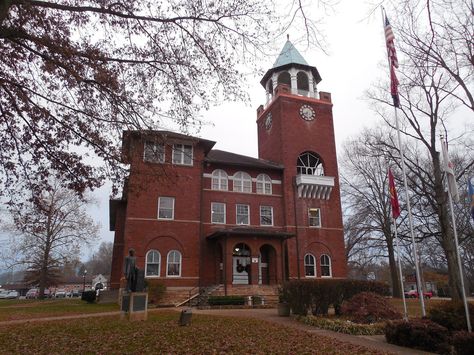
point(289, 55)
point(220, 156)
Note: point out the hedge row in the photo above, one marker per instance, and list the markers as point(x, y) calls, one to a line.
point(344, 326)
point(226, 300)
point(318, 295)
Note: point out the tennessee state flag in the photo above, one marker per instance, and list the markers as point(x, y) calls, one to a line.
point(393, 195)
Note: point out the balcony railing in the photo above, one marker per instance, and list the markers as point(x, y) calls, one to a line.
point(315, 187)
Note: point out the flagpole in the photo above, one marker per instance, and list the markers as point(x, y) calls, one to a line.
point(458, 256)
point(410, 219)
point(400, 271)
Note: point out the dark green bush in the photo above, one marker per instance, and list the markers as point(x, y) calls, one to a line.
point(369, 307)
point(226, 300)
point(156, 291)
point(450, 314)
point(318, 295)
point(463, 343)
point(422, 334)
point(88, 296)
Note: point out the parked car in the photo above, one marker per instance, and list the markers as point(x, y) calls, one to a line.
point(13, 295)
point(75, 293)
point(3, 294)
point(414, 294)
point(32, 293)
point(61, 293)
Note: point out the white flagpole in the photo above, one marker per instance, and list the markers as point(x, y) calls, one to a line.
point(400, 271)
point(410, 219)
point(458, 256)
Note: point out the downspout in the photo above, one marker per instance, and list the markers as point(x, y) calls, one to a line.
point(296, 229)
point(225, 264)
point(201, 226)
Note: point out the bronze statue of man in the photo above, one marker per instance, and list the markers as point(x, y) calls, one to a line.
point(130, 271)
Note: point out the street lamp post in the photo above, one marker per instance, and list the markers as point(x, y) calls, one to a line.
point(84, 281)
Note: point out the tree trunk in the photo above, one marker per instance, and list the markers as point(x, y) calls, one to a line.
point(396, 290)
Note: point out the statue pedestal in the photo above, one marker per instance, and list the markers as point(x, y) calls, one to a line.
point(134, 306)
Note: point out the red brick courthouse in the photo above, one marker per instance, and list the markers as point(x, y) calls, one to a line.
point(199, 217)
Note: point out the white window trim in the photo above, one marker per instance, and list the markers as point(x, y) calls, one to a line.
point(315, 267)
point(159, 265)
point(180, 263)
point(263, 180)
point(183, 154)
point(172, 211)
point(245, 178)
point(309, 218)
point(330, 267)
point(266, 225)
point(236, 215)
point(225, 210)
point(151, 161)
point(220, 178)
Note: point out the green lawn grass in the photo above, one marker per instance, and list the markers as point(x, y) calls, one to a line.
point(161, 334)
point(414, 306)
point(27, 309)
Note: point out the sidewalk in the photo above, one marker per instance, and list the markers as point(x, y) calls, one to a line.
point(376, 342)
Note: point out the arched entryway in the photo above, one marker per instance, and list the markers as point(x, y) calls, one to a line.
point(241, 264)
point(267, 265)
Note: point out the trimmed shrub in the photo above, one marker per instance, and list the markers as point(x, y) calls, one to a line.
point(88, 296)
point(226, 300)
point(420, 334)
point(369, 307)
point(463, 343)
point(156, 291)
point(343, 326)
point(318, 295)
point(450, 315)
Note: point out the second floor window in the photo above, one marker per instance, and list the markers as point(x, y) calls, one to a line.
point(264, 184)
point(242, 182)
point(266, 216)
point(243, 215)
point(166, 208)
point(182, 154)
point(219, 180)
point(218, 212)
point(314, 217)
point(154, 152)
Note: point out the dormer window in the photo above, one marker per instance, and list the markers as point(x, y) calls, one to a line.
point(182, 154)
point(154, 152)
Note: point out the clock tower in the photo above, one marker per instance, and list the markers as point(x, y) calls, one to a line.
point(295, 129)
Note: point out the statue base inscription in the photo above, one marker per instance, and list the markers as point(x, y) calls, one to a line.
point(134, 306)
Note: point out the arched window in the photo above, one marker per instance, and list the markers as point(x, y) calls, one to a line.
point(219, 180)
point(242, 182)
point(173, 267)
point(264, 184)
point(309, 265)
point(152, 266)
point(284, 78)
point(326, 266)
point(309, 164)
point(302, 81)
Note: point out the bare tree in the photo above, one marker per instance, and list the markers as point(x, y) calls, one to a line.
point(364, 183)
point(101, 261)
point(74, 75)
point(51, 229)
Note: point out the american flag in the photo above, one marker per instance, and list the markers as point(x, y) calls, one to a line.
point(393, 62)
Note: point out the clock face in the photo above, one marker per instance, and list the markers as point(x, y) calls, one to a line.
point(307, 113)
point(268, 121)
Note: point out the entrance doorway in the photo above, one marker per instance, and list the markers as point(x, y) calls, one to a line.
point(241, 264)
